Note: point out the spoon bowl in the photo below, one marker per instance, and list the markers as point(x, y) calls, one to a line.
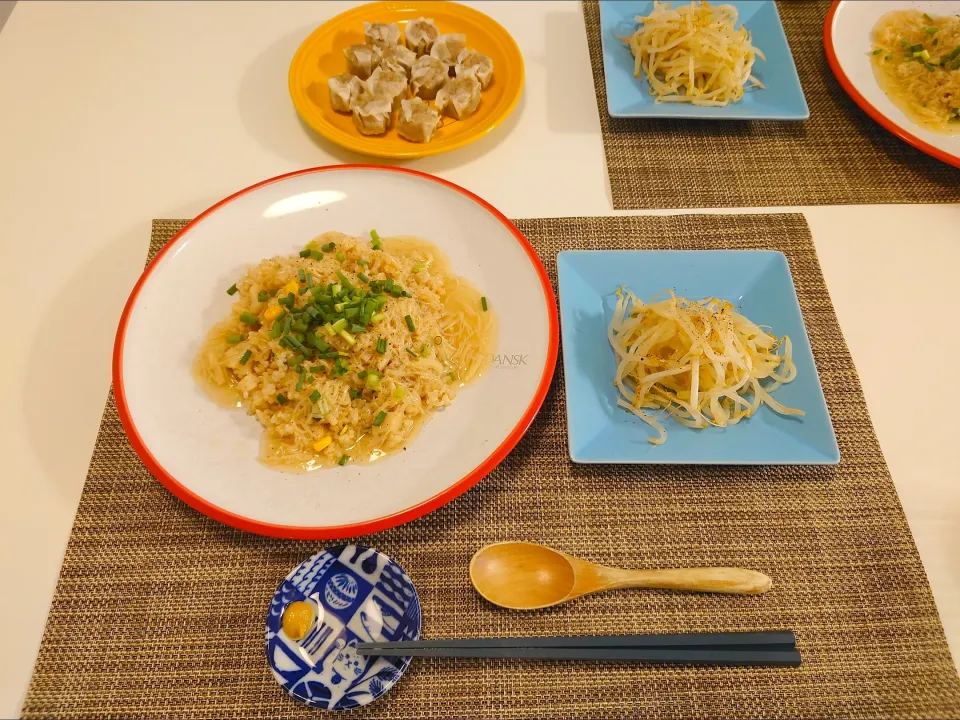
point(528, 576)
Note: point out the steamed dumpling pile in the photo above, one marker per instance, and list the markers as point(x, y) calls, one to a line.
point(408, 79)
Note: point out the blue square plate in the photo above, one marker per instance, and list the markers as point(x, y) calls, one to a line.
point(759, 282)
point(627, 96)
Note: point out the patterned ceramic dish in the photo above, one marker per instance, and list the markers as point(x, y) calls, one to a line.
point(627, 96)
point(847, 41)
point(207, 455)
point(759, 283)
point(355, 594)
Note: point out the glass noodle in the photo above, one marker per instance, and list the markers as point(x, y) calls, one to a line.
point(353, 344)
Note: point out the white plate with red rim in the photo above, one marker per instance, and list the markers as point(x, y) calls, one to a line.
point(847, 34)
point(207, 455)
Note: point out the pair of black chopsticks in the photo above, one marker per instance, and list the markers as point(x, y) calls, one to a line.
point(775, 648)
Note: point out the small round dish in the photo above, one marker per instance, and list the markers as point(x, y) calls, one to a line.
point(355, 594)
point(846, 40)
point(320, 57)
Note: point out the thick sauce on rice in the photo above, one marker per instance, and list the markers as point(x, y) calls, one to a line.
point(364, 393)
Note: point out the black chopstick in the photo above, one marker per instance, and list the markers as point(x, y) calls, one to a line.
point(753, 657)
point(768, 640)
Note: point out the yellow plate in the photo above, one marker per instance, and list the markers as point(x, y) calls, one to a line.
point(321, 57)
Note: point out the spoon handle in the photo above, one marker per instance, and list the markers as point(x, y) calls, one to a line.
point(736, 581)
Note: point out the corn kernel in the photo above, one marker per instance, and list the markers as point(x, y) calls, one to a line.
point(322, 443)
point(291, 287)
point(272, 312)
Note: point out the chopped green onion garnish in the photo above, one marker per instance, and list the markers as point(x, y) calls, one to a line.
point(344, 281)
point(373, 381)
point(362, 263)
point(249, 318)
point(281, 398)
point(930, 30)
point(263, 296)
point(916, 48)
point(305, 253)
point(289, 299)
point(314, 396)
point(410, 352)
point(877, 51)
point(927, 18)
point(483, 303)
point(303, 290)
point(363, 278)
point(297, 345)
point(889, 57)
point(410, 325)
point(301, 275)
point(378, 420)
point(922, 55)
point(341, 257)
point(354, 394)
point(316, 255)
point(399, 392)
point(246, 356)
point(377, 317)
point(234, 339)
point(419, 267)
point(382, 345)
point(343, 460)
point(351, 312)
point(328, 247)
point(348, 337)
point(357, 328)
point(318, 369)
point(425, 350)
point(362, 374)
point(339, 325)
point(303, 374)
point(277, 329)
point(232, 290)
point(376, 244)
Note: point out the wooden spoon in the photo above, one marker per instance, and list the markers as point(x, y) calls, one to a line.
point(527, 576)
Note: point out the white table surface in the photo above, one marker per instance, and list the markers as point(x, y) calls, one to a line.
point(115, 113)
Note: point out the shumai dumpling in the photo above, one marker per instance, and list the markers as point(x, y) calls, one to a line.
point(361, 60)
point(459, 97)
point(427, 77)
point(388, 85)
point(344, 91)
point(397, 56)
point(381, 35)
point(475, 63)
point(446, 48)
point(417, 120)
point(420, 34)
point(373, 117)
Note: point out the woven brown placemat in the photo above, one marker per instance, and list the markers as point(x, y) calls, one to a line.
point(838, 156)
point(159, 611)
